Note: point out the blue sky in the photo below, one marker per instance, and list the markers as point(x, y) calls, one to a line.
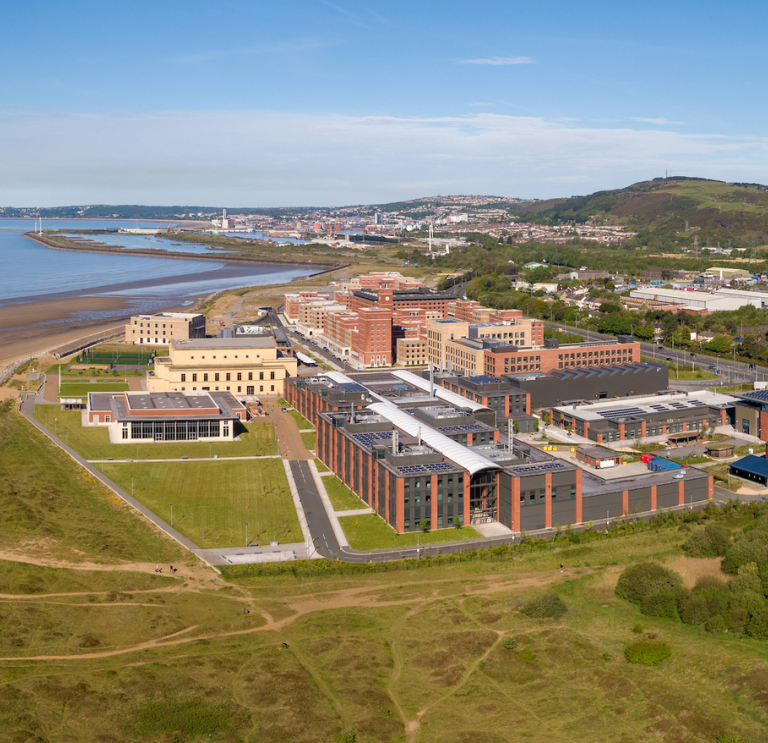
point(318, 102)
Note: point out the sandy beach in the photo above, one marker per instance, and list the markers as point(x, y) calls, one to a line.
point(35, 327)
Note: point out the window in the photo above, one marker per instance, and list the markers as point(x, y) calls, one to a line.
point(194, 377)
point(205, 377)
point(239, 378)
point(250, 376)
point(272, 376)
point(261, 375)
point(228, 376)
point(216, 377)
point(183, 377)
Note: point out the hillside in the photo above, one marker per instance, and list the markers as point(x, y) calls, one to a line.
point(713, 210)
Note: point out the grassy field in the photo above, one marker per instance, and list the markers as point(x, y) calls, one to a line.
point(310, 439)
point(301, 421)
point(213, 501)
point(342, 498)
point(408, 652)
point(369, 532)
point(81, 390)
point(52, 507)
point(320, 466)
point(683, 371)
point(93, 442)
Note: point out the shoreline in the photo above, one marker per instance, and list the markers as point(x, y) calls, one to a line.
point(154, 253)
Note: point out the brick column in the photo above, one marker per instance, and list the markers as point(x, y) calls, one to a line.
point(685, 425)
point(469, 439)
point(586, 429)
point(711, 488)
point(643, 429)
point(433, 502)
point(722, 417)
point(621, 431)
point(654, 505)
point(763, 433)
point(399, 505)
point(624, 502)
point(516, 522)
point(548, 500)
point(681, 493)
point(506, 406)
point(599, 438)
point(386, 496)
point(528, 406)
point(465, 515)
point(579, 518)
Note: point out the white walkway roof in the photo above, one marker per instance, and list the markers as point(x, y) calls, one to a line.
point(441, 392)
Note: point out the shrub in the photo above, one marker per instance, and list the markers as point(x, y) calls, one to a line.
point(711, 541)
point(747, 579)
point(656, 590)
point(638, 629)
point(638, 581)
point(749, 547)
point(757, 626)
point(647, 653)
point(346, 736)
point(527, 655)
point(509, 643)
point(548, 606)
point(716, 624)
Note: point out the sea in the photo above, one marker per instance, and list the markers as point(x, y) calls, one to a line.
point(30, 272)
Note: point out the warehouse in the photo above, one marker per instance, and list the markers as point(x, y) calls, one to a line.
point(752, 468)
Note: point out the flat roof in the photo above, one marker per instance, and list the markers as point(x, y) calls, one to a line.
point(146, 401)
point(752, 464)
point(256, 341)
point(635, 406)
point(598, 452)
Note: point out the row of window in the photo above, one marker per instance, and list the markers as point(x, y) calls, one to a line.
point(531, 497)
point(228, 376)
point(176, 430)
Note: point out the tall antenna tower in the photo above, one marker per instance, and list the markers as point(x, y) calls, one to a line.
point(431, 232)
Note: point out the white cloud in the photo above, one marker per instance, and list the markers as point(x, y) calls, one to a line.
point(660, 122)
point(497, 61)
point(271, 158)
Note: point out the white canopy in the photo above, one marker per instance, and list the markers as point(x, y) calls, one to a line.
point(441, 392)
point(464, 457)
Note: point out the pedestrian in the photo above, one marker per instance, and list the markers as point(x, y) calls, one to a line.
point(561, 567)
point(157, 568)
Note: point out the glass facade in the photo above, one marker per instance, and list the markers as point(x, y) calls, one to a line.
point(178, 430)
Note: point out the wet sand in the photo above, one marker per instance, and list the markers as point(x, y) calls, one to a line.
point(39, 326)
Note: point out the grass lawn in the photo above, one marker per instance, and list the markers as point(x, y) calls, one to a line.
point(69, 389)
point(720, 471)
point(369, 532)
point(213, 501)
point(342, 498)
point(320, 466)
point(93, 442)
point(52, 507)
point(310, 439)
point(301, 421)
point(92, 372)
point(686, 371)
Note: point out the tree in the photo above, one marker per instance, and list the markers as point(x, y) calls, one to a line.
point(457, 520)
point(644, 332)
point(424, 525)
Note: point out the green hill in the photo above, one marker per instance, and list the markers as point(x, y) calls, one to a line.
point(713, 210)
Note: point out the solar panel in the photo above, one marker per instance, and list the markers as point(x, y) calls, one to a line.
point(622, 413)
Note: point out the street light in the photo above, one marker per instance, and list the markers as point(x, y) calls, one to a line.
point(246, 535)
point(171, 515)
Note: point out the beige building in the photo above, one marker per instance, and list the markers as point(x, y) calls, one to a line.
point(411, 351)
point(164, 327)
point(244, 366)
point(438, 332)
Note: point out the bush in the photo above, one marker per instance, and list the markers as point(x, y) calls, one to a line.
point(647, 653)
point(509, 643)
point(346, 736)
point(548, 606)
point(638, 629)
point(638, 581)
point(757, 626)
point(749, 547)
point(711, 541)
point(656, 590)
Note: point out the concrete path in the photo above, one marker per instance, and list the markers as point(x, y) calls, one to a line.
point(253, 554)
point(184, 459)
point(354, 512)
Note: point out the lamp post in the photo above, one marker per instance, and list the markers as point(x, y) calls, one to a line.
point(171, 515)
point(131, 486)
point(246, 535)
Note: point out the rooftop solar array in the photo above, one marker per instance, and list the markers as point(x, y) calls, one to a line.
point(369, 439)
point(419, 469)
point(462, 429)
point(761, 395)
point(533, 469)
point(352, 387)
point(621, 413)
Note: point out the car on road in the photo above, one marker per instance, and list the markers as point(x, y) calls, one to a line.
point(669, 358)
point(713, 366)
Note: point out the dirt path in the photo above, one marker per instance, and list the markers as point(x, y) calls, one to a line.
point(345, 598)
point(289, 439)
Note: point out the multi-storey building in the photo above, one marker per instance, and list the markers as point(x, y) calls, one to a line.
point(417, 453)
point(293, 301)
point(243, 366)
point(162, 328)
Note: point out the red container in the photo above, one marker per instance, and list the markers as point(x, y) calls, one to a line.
point(645, 458)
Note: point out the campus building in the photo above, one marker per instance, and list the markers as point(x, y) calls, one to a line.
point(679, 416)
point(416, 451)
point(751, 414)
point(162, 328)
point(252, 365)
point(144, 417)
point(592, 383)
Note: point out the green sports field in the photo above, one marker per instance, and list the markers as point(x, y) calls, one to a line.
point(213, 501)
point(81, 390)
